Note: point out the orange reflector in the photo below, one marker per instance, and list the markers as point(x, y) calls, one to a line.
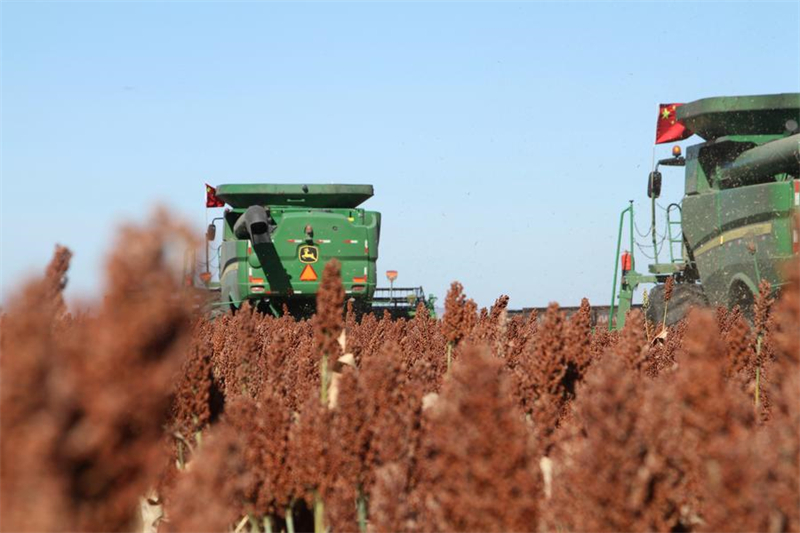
point(362, 279)
point(627, 261)
point(308, 274)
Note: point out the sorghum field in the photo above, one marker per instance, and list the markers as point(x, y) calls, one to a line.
point(143, 414)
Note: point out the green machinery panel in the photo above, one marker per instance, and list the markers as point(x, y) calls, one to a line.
point(278, 238)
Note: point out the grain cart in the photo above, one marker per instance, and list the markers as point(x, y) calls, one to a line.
point(277, 238)
point(736, 223)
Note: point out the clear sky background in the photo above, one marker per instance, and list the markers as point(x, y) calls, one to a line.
point(502, 139)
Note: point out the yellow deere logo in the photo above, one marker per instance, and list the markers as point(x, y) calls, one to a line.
point(308, 254)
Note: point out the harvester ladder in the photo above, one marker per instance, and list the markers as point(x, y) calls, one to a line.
point(675, 236)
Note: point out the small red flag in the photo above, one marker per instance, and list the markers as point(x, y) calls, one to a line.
point(668, 129)
point(211, 197)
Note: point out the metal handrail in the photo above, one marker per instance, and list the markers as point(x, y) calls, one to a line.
point(628, 210)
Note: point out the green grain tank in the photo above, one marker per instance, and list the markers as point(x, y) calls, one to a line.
point(277, 239)
point(737, 221)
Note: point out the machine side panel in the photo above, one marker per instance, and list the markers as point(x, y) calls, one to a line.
point(752, 235)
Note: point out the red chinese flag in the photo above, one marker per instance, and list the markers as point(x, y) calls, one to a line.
point(211, 197)
point(668, 129)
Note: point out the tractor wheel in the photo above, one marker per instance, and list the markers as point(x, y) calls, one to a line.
point(684, 297)
point(740, 295)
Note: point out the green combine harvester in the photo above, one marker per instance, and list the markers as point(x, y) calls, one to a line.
point(737, 221)
point(277, 239)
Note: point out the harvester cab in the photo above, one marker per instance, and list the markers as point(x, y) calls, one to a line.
point(736, 223)
point(276, 240)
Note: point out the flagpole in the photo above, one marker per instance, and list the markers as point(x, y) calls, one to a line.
point(653, 202)
point(208, 244)
point(653, 160)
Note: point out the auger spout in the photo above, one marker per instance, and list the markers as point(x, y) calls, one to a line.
point(764, 161)
point(253, 225)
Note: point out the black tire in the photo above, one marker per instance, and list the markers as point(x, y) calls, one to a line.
point(741, 296)
point(684, 297)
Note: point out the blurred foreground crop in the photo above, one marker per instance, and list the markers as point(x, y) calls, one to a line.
point(476, 422)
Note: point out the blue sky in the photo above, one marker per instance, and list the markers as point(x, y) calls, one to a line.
point(502, 139)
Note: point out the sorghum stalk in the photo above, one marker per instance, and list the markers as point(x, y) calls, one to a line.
point(289, 519)
point(667, 295)
point(758, 372)
point(361, 506)
point(319, 513)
